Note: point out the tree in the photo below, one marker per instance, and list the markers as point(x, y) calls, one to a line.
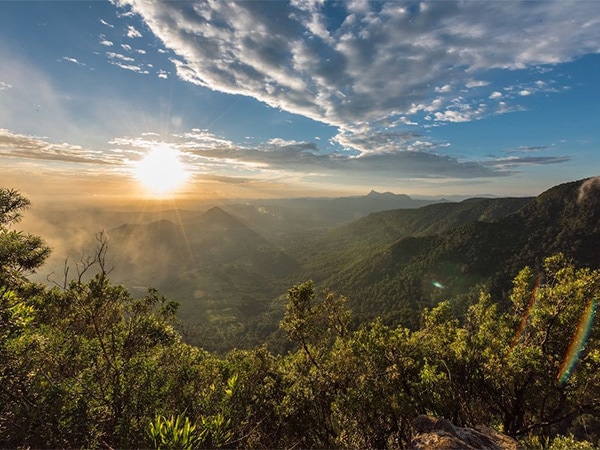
point(533, 369)
point(549, 370)
point(20, 253)
point(314, 323)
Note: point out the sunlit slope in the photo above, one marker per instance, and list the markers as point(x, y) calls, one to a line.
point(417, 271)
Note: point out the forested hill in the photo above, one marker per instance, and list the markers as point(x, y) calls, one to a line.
point(344, 246)
point(221, 271)
point(417, 271)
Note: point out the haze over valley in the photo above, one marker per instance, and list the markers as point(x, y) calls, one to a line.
point(230, 266)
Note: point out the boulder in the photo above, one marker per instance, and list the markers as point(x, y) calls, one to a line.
point(431, 433)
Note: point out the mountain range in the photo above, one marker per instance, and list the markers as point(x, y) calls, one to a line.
point(389, 254)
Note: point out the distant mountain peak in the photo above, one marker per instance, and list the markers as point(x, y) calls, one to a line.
point(375, 194)
point(217, 210)
point(217, 215)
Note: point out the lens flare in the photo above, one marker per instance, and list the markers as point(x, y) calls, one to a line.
point(578, 341)
point(525, 318)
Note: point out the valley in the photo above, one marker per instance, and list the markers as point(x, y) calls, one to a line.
point(230, 266)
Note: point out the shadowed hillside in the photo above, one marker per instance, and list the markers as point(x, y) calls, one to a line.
point(217, 266)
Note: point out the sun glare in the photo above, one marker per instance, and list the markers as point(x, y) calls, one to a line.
point(161, 172)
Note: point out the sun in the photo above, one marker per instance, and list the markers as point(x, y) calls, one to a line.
point(161, 172)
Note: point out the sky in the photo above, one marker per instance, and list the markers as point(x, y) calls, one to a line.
point(256, 99)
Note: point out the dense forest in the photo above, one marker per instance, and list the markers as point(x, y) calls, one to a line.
point(85, 363)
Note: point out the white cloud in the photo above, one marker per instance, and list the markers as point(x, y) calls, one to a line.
point(461, 112)
point(131, 67)
point(384, 60)
point(4, 86)
point(72, 60)
point(476, 83)
point(205, 152)
point(444, 88)
point(495, 95)
point(529, 149)
point(126, 47)
point(105, 23)
point(114, 55)
point(525, 93)
point(132, 32)
point(453, 116)
point(106, 43)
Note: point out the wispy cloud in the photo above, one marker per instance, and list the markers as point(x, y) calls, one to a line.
point(73, 61)
point(529, 149)
point(126, 62)
point(131, 67)
point(14, 145)
point(515, 161)
point(114, 55)
point(378, 61)
point(461, 113)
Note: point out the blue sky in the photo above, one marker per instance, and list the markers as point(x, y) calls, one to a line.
point(306, 97)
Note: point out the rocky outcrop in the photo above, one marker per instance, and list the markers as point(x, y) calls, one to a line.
point(431, 433)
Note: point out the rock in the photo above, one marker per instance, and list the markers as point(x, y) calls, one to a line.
point(431, 433)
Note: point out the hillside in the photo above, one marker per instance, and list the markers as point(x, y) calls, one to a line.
point(296, 221)
point(418, 271)
point(347, 245)
point(220, 269)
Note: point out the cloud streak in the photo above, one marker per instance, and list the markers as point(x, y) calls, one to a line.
point(14, 145)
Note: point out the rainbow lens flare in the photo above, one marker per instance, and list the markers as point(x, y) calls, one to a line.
point(525, 318)
point(578, 341)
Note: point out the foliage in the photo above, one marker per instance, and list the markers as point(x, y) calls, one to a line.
point(174, 432)
point(569, 443)
point(20, 253)
point(557, 443)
